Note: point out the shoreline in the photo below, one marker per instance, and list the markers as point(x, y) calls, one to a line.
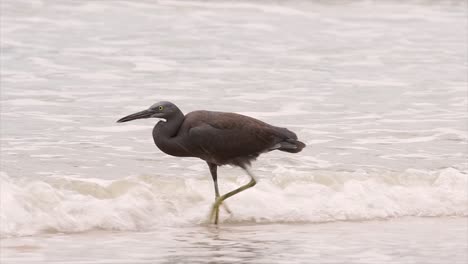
point(233, 224)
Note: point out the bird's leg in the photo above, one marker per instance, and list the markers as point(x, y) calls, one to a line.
point(214, 175)
point(214, 211)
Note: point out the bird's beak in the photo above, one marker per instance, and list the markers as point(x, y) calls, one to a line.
point(142, 114)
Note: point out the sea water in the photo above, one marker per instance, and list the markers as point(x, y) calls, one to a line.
point(377, 91)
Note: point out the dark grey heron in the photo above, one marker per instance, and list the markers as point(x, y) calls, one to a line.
point(218, 138)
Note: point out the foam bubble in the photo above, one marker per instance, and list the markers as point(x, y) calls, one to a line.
point(70, 204)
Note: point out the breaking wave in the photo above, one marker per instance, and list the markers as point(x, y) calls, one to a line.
point(65, 204)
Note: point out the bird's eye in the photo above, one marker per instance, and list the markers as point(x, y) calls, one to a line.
point(161, 108)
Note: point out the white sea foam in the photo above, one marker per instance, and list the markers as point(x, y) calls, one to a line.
point(67, 204)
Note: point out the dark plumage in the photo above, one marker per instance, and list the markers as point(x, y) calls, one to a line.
point(217, 138)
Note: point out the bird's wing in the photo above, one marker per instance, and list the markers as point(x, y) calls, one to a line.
point(228, 136)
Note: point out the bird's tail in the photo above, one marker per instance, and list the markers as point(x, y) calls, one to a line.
point(291, 145)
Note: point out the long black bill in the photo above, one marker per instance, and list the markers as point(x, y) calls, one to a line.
point(139, 115)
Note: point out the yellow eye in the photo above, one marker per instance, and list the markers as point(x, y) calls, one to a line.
point(161, 108)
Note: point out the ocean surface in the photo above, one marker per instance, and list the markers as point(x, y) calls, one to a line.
point(376, 89)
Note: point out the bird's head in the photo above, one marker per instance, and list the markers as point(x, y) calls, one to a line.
point(158, 110)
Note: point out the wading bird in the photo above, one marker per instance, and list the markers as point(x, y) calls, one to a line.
point(217, 138)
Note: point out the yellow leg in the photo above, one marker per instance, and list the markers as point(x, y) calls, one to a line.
point(214, 216)
point(214, 173)
point(226, 208)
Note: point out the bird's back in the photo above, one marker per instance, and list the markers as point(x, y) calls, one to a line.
point(229, 138)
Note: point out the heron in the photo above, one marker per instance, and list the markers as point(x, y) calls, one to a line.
point(218, 138)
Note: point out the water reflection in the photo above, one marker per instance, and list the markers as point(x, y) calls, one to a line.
point(418, 240)
point(356, 242)
point(212, 244)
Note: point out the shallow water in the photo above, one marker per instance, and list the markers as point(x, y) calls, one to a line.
point(378, 92)
point(429, 240)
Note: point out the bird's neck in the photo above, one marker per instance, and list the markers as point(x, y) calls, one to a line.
point(170, 127)
point(165, 135)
